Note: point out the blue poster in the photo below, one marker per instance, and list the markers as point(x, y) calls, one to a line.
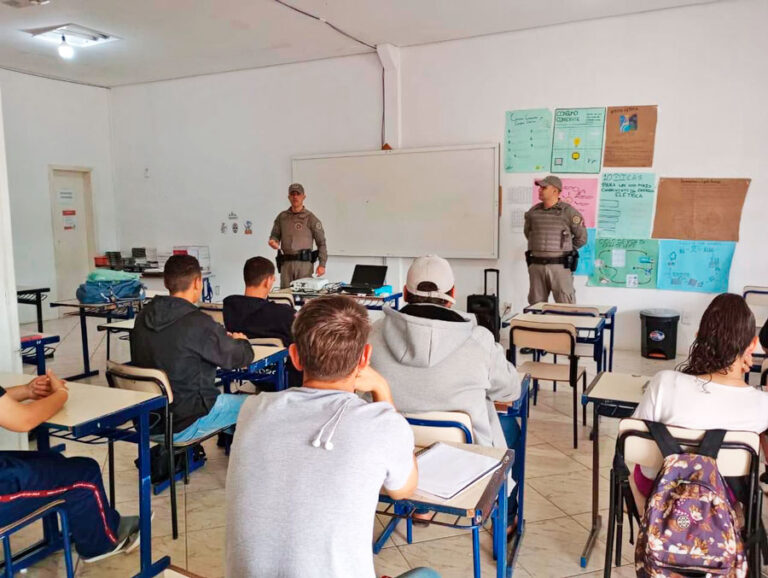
point(587, 255)
point(702, 266)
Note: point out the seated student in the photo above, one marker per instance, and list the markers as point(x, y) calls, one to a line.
point(436, 358)
point(32, 479)
point(319, 455)
point(253, 314)
point(708, 390)
point(172, 334)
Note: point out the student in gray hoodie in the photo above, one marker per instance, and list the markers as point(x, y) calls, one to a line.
point(436, 358)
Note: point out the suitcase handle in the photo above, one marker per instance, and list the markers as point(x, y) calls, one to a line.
point(485, 284)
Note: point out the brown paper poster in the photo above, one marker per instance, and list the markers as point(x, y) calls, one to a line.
point(699, 209)
point(630, 133)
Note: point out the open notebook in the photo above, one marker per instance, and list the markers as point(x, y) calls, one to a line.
point(444, 471)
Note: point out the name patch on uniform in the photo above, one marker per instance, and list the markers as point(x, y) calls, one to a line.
point(576, 219)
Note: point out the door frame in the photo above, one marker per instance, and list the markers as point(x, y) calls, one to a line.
point(90, 233)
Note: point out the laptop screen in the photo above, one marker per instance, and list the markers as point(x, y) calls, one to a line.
point(371, 275)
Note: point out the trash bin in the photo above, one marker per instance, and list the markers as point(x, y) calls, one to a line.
point(658, 330)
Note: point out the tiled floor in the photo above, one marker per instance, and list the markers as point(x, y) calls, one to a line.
point(557, 505)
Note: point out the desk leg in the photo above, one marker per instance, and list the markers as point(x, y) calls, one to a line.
point(145, 512)
point(596, 521)
point(39, 308)
point(610, 353)
point(86, 355)
point(282, 378)
point(40, 358)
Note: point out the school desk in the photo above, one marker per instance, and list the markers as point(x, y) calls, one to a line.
point(33, 296)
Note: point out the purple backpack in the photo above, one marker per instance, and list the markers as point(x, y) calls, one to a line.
point(689, 526)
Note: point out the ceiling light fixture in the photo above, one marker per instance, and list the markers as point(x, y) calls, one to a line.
point(65, 50)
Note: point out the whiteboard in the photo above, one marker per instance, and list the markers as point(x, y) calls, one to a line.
point(406, 202)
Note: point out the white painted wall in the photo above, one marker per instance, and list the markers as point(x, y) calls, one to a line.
point(702, 65)
point(223, 143)
point(48, 122)
point(187, 152)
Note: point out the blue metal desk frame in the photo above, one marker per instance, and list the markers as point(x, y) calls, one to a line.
point(253, 371)
point(33, 296)
point(92, 432)
point(610, 325)
point(39, 344)
point(119, 310)
point(370, 302)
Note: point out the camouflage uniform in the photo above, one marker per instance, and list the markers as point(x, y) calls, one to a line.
point(553, 233)
point(296, 232)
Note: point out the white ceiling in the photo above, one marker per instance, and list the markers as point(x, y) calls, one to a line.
point(163, 39)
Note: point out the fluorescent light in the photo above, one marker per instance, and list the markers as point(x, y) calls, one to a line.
point(65, 50)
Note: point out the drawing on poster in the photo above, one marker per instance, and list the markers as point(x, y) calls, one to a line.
point(577, 141)
point(528, 140)
point(702, 266)
point(579, 193)
point(630, 135)
point(628, 263)
point(587, 255)
point(626, 205)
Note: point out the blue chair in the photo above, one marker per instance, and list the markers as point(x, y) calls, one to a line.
point(47, 511)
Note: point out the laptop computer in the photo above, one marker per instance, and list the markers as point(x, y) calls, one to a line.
point(365, 279)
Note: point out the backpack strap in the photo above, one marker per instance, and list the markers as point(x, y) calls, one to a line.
point(711, 442)
point(663, 438)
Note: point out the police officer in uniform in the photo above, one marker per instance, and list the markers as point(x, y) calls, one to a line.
point(554, 230)
point(292, 234)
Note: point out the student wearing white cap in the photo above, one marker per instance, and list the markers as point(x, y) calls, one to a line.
point(436, 358)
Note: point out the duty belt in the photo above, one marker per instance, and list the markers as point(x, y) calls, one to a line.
point(303, 255)
point(547, 260)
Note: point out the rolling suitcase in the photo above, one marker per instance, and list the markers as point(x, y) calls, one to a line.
point(486, 307)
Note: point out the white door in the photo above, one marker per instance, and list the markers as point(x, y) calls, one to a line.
point(72, 229)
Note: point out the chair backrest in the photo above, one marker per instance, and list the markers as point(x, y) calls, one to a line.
point(755, 295)
point(644, 451)
point(570, 310)
point(216, 314)
point(274, 341)
point(139, 379)
point(551, 337)
point(282, 297)
point(440, 426)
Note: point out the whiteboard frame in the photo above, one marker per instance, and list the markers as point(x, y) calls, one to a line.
point(496, 147)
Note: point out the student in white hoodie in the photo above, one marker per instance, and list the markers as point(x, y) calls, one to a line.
point(436, 358)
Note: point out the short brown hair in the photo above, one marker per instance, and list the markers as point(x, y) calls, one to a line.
point(425, 286)
point(257, 269)
point(331, 333)
point(180, 272)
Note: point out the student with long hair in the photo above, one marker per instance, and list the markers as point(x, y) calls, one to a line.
point(708, 390)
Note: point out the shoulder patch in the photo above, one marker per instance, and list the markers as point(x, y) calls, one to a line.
point(319, 226)
point(576, 219)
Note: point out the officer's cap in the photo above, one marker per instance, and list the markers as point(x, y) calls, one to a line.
point(550, 180)
point(296, 188)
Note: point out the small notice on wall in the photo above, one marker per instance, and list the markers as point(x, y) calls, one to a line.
point(577, 143)
point(69, 220)
point(630, 136)
point(699, 209)
point(66, 197)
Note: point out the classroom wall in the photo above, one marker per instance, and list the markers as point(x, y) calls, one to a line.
point(187, 152)
point(48, 122)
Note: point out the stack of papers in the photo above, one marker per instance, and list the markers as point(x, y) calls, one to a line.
point(444, 470)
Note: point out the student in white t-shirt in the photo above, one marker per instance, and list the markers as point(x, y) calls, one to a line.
point(708, 390)
point(307, 464)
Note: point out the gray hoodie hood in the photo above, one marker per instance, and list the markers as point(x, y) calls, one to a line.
point(420, 342)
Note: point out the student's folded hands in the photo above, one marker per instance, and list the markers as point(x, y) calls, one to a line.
point(44, 385)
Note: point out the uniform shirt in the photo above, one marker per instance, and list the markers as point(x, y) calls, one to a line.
point(296, 231)
point(554, 231)
point(277, 481)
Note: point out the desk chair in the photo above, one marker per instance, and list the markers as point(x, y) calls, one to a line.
point(428, 428)
point(582, 349)
point(554, 338)
point(738, 456)
point(280, 297)
point(216, 314)
point(51, 509)
point(156, 381)
point(271, 341)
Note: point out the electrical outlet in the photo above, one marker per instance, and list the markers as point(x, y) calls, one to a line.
point(685, 317)
point(217, 289)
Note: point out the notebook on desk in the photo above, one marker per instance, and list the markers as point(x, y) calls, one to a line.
point(365, 279)
point(445, 471)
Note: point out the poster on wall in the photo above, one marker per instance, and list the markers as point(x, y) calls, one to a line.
point(630, 263)
point(630, 136)
point(699, 209)
point(577, 142)
point(702, 266)
point(528, 140)
point(579, 193)
point(626, 205)
point(587, 255)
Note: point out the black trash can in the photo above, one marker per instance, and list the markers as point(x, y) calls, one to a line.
point(658, 332)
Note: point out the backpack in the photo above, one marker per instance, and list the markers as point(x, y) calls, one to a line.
point(689, 527)
point(109, 291)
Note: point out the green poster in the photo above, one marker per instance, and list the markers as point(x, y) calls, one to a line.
point(528, 141)
point(628, 263)
point(577, 142)
point(626, 205)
